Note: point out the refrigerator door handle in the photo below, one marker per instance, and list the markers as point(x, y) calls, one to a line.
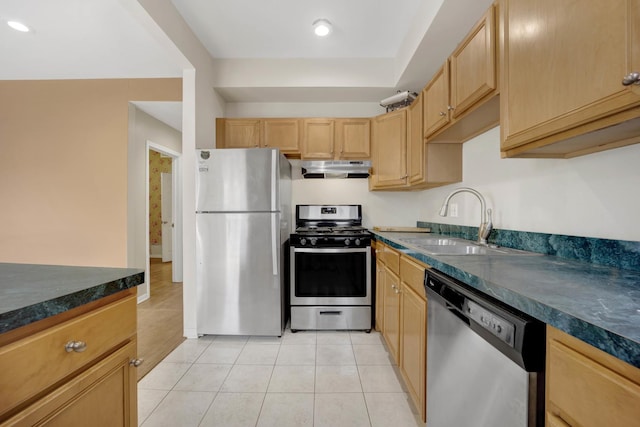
point(274, 180)
point(274, 243)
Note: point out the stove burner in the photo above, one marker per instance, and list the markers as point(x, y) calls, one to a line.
point(330, 227)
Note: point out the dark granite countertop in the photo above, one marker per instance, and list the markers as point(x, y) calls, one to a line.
point(30, 292)
point(597, 304)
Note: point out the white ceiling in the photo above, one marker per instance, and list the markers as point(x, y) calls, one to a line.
point(265, 50)
point(283, 28)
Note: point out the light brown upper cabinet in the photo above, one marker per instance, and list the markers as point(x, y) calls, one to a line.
point(389, 150)
point(402, 160)
point(318, 139)
point(254, 133)
point(436, 101)
point(353, 138)
point(238, 133)
point(460, 99)
point(563, 66)
point(336, 139)
point(283, 134)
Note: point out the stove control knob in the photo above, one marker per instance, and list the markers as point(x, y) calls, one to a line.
point(357, 242)
point(303, 241)
point(313, 240)
point(347, 242)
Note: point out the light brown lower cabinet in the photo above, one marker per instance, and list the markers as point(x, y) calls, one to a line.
point(403, 318)
point(50, 383)
point(391, 326)
point(379, 295)
point(586, 387)
point(413, 332)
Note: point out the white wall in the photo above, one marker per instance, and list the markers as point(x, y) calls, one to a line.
point(592, 196)
point(303, 109)
point(142, 128)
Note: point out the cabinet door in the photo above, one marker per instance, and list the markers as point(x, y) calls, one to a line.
point(389, 150)
point(587, 387)
point(413, 353)
point(473, 66)
point(239, 133)
point(104, 395)
point(563, 64)
point(283, 134)
point(436, 101)
point(416, 149)
point(318, 139)
point(391, 327)
point(353, 138)
point(380, 275)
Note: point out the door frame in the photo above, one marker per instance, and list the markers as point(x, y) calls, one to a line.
point(167, 248)
point(176, 207)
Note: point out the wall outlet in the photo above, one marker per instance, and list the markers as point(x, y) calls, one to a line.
point(453, 210)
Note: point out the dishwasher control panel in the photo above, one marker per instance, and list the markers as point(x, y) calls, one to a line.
point(501, 328)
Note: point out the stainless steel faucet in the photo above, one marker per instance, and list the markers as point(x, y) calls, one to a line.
point(485, 214)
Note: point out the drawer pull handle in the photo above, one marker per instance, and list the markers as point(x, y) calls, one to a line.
point(136, 362)
point(77, 346)
point(334, 313)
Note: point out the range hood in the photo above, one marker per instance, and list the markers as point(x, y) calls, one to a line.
point(336, 168)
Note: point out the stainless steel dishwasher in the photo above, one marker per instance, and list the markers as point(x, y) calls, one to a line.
point(485, 360)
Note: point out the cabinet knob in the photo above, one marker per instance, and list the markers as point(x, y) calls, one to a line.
point(442, 113)
point(136, 362)
point(631, 78)
point(450, 108)
point(75, 346)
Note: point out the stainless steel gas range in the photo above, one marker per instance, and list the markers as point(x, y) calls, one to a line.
point(330, 269)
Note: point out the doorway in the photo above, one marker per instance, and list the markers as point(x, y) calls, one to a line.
point(164, 222)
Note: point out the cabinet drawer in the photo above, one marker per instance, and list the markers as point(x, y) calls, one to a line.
point(36, 363)
point(412, 274)
point(391, 259)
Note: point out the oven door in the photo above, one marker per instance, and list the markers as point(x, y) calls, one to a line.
point(331, 276)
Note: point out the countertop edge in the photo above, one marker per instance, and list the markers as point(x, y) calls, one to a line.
point(26, 315)
point(616, 345)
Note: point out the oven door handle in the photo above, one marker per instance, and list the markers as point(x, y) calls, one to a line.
point(332, 313)
point(331, 250)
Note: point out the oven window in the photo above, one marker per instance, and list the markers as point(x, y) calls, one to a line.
point(330, 274)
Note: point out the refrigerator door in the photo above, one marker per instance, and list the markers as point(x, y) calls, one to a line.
point(238, 180)
point(239, 274)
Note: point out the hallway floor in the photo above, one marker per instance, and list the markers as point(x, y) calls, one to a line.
point(304, 379)
point(160, 328)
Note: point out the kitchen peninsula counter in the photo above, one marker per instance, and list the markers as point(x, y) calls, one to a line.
point(597, 304)
point(31, 292)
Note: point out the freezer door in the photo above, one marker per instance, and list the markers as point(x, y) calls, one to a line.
point(239, 274)
point(238, 180)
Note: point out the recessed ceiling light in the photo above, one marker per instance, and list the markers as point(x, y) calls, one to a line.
point(322, 27)
point(18, 26)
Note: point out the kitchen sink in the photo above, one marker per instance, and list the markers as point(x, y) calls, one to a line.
point(472, 250)
point(431, 241)
point(454, 246)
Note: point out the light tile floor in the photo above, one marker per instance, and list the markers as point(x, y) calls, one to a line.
point(304, 379)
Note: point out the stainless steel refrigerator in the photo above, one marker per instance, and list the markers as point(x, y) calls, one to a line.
point(242, 226)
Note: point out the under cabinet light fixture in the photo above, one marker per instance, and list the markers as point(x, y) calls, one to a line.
point(18, 26)
point(322, 27)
